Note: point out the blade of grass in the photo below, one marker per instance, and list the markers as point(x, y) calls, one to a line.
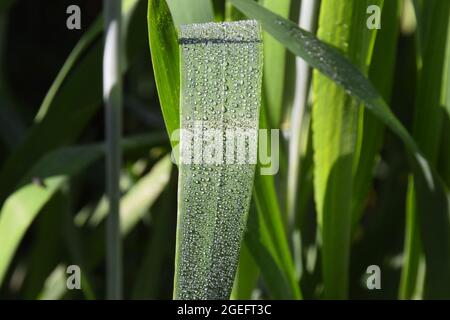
point(47, 248)
point(370, 129)
point(275, 67)
point(413, 251)
point(432, 196)
point(233, 14)
point(246, 276)
point(219, 9)
point(162, 18)
point(165, 60)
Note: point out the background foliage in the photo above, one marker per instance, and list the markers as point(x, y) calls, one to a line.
point(363, 196)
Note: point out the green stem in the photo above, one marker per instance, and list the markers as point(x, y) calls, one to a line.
point(112, 93)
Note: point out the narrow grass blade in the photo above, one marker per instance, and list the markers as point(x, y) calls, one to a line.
point(153, 275)
point(49, 174)
point(55, 285)
point(165, 60)
point(219, 7)
point(334, 139)
point(331, 63)
point(17, 214)
point(247, 276)
point(275, 68)
point(233, 14)
point(220, 93)
point(267, 241)
point(47, 248)
point(165, 65)
point(413, 251)
point(370, 129)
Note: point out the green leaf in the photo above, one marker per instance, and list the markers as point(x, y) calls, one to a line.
point(214, 196)
point(48, 175)
point(18, 212)
point(47, 248)
point(331, 63)
point(413, 251)
point(428, 122)
point(370, 129)
point(165, 60)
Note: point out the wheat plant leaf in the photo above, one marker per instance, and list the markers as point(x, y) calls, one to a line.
point(196, 11)
point(275, 68)
point(370, 130)
point(221, 78)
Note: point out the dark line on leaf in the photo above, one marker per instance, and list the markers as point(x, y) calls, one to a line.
point(188, 41)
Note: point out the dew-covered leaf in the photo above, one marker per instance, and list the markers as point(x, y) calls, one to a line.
point(220, 100)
